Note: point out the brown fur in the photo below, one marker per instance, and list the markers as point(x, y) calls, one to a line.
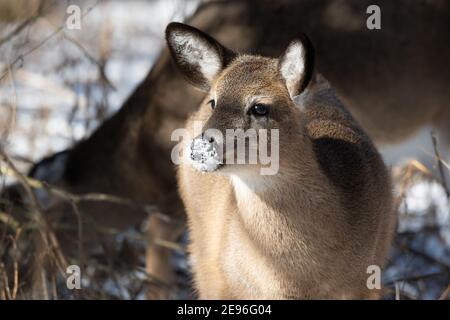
point(394, 81)
point(311, 230)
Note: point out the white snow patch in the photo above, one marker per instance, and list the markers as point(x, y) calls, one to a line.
point(426, 205)
point(419, 199)
point(203, 155)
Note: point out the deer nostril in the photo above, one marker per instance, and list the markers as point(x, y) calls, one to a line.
point(204, 154)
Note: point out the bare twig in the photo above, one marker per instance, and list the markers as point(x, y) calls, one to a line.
point(440, 166)
point(27, 22)
point(89, 197)
point(46, 231)
point(12, 116)
point(21, 57)
point(414, 278)
point(92, 59)
point(9, 221)
point(446, 294)
point(429, 258)
point(397, 291)
point(6, 289)
point(15, 265)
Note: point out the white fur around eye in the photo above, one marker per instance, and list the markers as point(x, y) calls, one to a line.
point(197, 52)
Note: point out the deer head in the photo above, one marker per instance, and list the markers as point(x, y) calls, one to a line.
point(247, 95)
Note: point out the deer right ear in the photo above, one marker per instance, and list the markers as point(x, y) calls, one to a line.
point(296, 65)
point(198, 56)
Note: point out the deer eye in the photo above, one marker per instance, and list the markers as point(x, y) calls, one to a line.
point(259, 110)
point(212, 103)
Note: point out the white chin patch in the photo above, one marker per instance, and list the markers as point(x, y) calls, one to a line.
point(204, 156)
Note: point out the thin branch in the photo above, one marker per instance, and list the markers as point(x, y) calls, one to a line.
point(21, 57)
point(92, 59)
point(31, 20)
point(46, 232)
point(428, 257)
point(446, 294)
point(6, 289)
point(414, 278)
point(9, 221)
point(440, 166)
point(87, 197)
point(15, 265)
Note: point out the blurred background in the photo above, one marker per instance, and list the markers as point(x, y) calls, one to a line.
point(69, 81)
point(57, 85)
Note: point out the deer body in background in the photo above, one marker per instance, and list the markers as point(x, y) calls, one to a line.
point(394, 81)
point(312, 229)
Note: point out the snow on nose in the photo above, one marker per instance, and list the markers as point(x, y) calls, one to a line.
point(204, 155)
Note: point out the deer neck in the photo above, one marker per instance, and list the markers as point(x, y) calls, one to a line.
point(282, 209)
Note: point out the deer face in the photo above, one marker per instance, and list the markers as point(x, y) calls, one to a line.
point(249, 101)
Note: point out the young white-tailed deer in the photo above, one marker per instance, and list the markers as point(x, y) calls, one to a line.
point(394, 81)
point(312, 229)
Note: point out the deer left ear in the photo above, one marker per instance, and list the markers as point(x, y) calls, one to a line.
point(296, 65)
point(197, 55)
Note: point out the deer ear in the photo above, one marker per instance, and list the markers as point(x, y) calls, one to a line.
point(198, 56)
point(296, 65)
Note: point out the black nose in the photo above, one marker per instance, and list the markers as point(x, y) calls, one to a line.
point(208, 138)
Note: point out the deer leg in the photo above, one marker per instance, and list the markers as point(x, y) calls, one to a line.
point(160, 235)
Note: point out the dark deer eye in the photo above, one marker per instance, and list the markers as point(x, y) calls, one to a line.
point(212, 103)
point(260, 110)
